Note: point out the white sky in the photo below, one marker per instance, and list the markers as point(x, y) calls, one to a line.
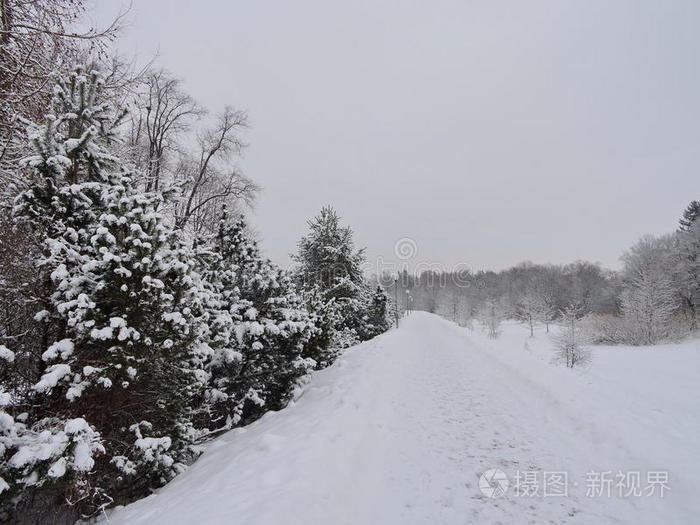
point(490, 132)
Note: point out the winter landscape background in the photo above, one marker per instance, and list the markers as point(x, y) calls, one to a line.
point(263, 263)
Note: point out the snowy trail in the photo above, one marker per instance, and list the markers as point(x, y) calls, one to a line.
point(398, 431)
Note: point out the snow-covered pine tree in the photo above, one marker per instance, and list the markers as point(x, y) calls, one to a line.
point(259, 330)
point(110, 415)
point(278, 330)
point(220, 258)
point(329, 269)
point(686, 265)
point(323, 347)
point(327, 258)
point(690, 215)
point(377, 319)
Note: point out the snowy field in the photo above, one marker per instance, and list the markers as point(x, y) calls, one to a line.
point(400, 429)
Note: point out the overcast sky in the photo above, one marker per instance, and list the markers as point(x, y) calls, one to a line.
point(490, 132)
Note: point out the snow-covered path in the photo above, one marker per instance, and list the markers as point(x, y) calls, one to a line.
point(398, 431)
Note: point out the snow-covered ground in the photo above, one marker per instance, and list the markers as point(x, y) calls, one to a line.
point(401, 428)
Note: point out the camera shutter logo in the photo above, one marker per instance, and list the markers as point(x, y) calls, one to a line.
point(493, 483)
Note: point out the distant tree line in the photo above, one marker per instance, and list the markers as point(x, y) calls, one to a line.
point(654, 297)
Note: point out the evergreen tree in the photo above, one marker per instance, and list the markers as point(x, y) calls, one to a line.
point(329, 269)
point(327, 258)
point(685, 269)
point(377, 319)
point(259, 330)
point(690, 214)
point(687, 262)
point(110, 414)
point(324, 346)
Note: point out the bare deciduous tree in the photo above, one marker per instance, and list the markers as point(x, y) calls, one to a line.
point(530, 309)
point(491, 315)
point(571, 340)
point(208, 176)
point(160, 114)
point(649, 297)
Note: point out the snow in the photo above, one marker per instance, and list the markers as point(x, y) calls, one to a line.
point(46, 446)
point(6, 354)
point(82, 457)
point(6, 423)
point(175, 318)
point(77, 425)
point(53, 375)
point(64, 348)
point(400, 429)
point(5, 398)
point(102, 334)
point(43, 315)
point(58, 469)
point(149, 444)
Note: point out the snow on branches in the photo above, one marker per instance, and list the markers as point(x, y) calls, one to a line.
point(149, 342)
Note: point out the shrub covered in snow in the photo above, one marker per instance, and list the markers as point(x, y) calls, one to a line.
point(259, 332)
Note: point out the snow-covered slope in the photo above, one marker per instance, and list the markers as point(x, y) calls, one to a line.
point(401, 428)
